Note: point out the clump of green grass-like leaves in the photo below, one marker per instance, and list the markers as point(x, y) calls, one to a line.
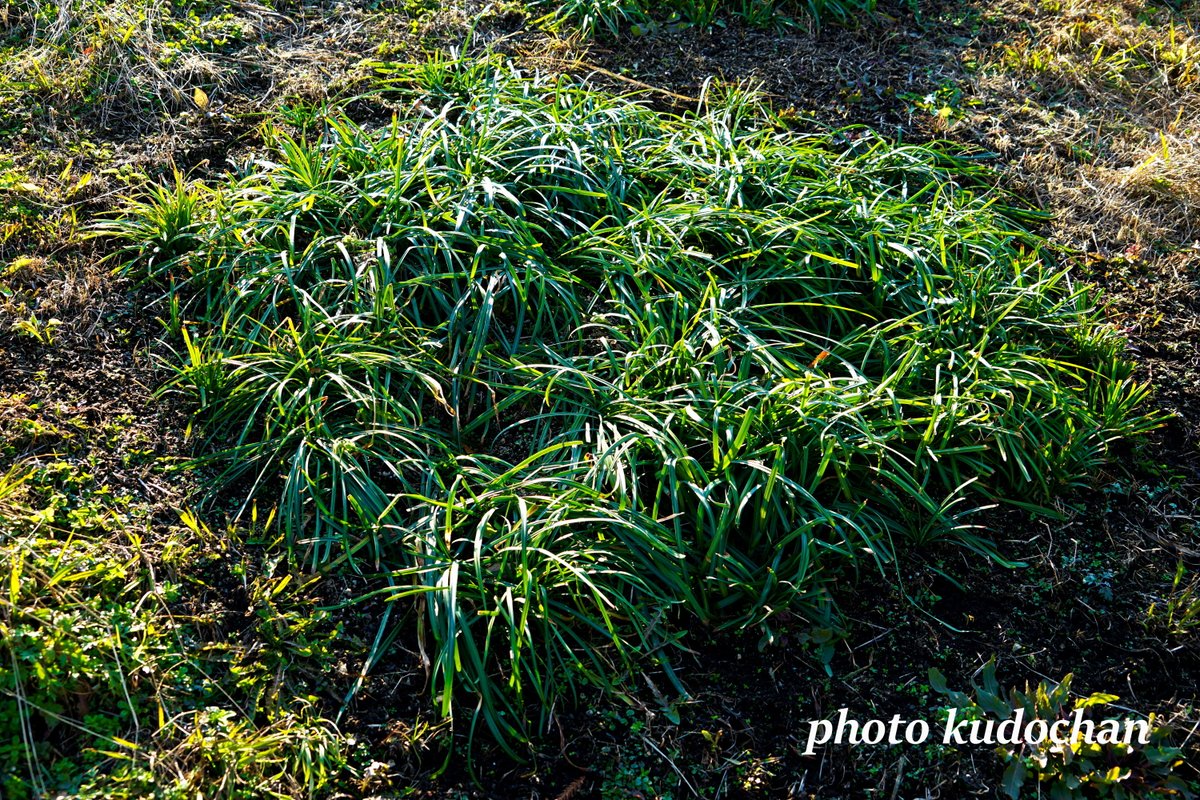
point(614, 16)
point(570, 371)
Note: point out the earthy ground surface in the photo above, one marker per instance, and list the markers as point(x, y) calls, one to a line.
point(1092, 111)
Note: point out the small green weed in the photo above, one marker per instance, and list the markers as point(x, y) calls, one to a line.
point(101, 695)
point(1085, 767)
point(1179, 612)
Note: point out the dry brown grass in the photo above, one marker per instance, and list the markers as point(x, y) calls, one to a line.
point(1096, 106)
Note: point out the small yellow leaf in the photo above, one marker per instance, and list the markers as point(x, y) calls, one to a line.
point(200, 98)
point(14, 580)
point(281, 586)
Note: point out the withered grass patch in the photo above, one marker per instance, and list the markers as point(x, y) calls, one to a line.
point(1097, 105)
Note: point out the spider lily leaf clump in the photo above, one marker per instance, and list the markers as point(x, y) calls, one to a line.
point(572, 372)
point(613, 17)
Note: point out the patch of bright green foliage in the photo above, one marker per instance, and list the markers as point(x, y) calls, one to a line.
point(569, 373)
point(104, 695)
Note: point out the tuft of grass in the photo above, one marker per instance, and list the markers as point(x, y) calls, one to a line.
point(570, 373)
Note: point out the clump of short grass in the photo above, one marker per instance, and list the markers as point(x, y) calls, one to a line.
point(570, 372)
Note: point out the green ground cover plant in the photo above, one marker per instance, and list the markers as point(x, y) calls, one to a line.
point(1081, 767)
point(104, 693)
point(569, 374)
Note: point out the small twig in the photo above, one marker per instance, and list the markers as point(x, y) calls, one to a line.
point(578, 64)
point(572, 788)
